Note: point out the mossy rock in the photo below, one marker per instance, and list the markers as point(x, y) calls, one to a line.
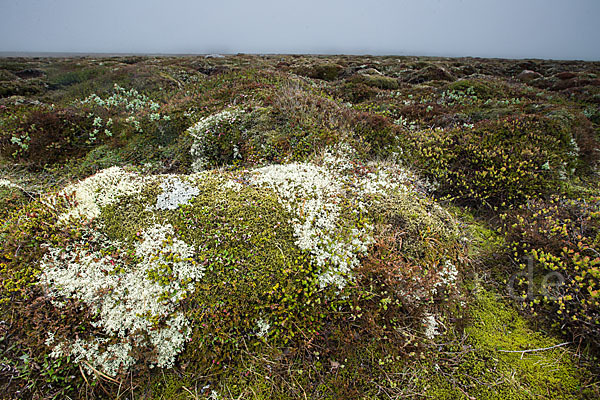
point(327, 72)
point(30, 73)
point(7, 76)
point(216, 252)
point(378, 81)
point(22, 87)
point(356, 92)
point(479, 88)
point(201, 266)
point(431, 72)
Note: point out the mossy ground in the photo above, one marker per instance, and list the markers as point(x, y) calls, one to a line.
point(489, 363)
point(487, 144)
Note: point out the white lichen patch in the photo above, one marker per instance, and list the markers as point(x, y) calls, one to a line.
point(110, 357)
point(328, 203)
point(175, 192)
point(203, 133)
point(232, 185)
point(136, 301)
point(383, 179)
point(262, 328)
point(448, 275)
point(431, 326)
point(7, 183)
point(100, 190)
point(311, 194)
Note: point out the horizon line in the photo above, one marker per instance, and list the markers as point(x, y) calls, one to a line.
point(82, 54)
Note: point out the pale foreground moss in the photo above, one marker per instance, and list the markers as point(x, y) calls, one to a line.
point(175, 192)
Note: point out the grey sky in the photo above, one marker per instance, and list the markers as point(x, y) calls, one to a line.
point(560, 29)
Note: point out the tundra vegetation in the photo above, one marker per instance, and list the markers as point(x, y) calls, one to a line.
point(288, 227)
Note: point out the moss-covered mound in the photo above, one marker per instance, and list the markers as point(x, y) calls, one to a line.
point(210, 263)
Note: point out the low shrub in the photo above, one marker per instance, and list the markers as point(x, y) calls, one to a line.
point(11, 197)
point(124, 111)
point(69, 78)
point(40, 135)
point(560, 238)
point(27, 315)
point(496, 163)
point(377, 131)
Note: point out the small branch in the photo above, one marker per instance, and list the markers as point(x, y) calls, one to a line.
point(195, 396)
point(83, 374)
point(101, 374)
point(532, 350)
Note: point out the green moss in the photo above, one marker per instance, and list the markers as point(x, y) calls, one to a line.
point(124, 220)
point(253, 271)
point(484, 239)
point(484, 368)
point(101, 157)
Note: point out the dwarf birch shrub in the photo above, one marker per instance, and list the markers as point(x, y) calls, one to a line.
point(498, 164)
point(561, 239)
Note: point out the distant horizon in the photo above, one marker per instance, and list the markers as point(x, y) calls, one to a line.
point(67, 54)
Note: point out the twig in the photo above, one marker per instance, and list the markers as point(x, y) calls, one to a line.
point(83, 374)
point(532, 350)
point(195, 396)
point(131, 384)
point(103, 375)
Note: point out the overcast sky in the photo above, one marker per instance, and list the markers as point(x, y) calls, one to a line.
point(559, 29)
